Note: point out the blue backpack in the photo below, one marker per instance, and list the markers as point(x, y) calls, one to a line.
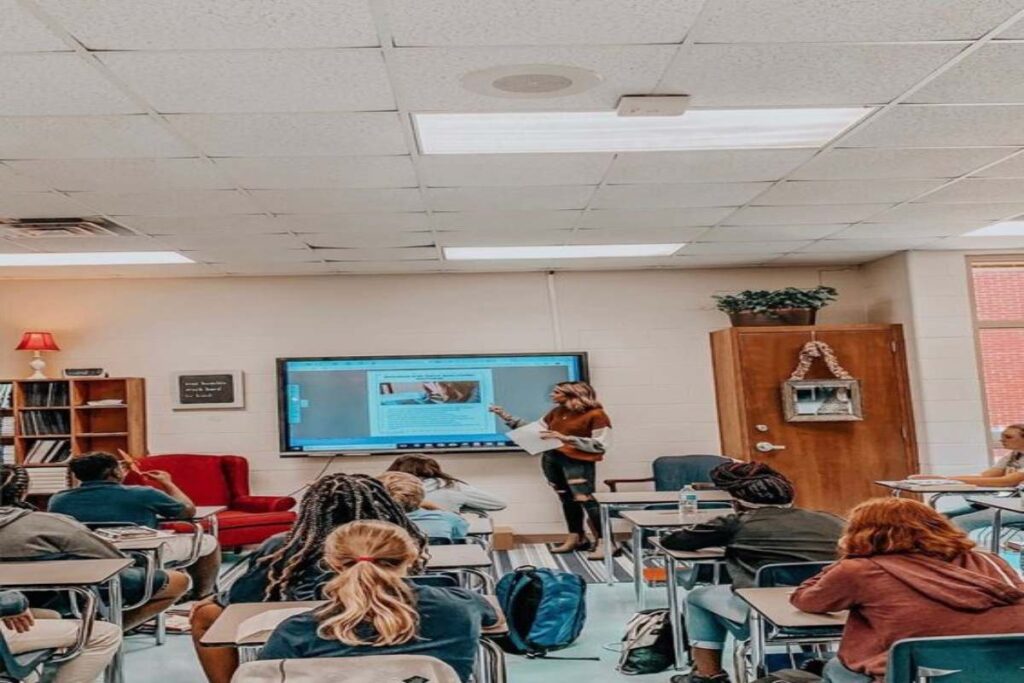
point(545, 610)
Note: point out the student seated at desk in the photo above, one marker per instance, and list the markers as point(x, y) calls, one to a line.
point(103, 497)
point(290, 566)
point(407, 491)
point(372, 610)
point(906, 572)
point(766, 529)
point(442, 489)
point(1007, 471)
point(29, 535)
point(26, 630)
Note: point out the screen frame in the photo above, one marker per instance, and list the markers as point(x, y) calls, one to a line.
point(282, 409)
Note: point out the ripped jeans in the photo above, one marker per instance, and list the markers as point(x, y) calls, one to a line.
point(574, 482)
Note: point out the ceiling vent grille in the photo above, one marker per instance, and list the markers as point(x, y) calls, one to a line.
point(77, 227)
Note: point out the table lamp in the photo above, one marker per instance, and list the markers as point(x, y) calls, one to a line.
point(36, 342)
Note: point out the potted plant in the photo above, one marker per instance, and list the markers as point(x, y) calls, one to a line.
point(789, 306)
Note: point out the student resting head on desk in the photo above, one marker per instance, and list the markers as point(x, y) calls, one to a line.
point(1007, 471)
point(442, 489)
point(27, 535)
point(906, 572)
point(289, 566)
point(372, 610)
point(407, 491)
point(765, 529)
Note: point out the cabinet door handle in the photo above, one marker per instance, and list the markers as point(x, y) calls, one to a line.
point(768, 447)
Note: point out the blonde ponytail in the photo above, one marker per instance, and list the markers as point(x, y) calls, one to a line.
point(371, 559)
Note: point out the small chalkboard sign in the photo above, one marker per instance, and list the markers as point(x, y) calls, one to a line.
point(206, 390)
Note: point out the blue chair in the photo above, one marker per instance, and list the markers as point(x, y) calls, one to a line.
point(957, 659)
point(673, 472)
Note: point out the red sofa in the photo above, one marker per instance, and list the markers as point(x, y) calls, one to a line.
point(224, 480)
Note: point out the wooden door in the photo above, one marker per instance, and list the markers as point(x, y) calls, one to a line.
point(833, 464)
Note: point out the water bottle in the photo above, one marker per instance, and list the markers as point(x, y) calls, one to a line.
point(687, 504)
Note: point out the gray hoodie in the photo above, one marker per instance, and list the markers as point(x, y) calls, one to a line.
point(29, 535)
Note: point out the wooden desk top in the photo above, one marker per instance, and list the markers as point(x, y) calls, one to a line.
point(999, 503)
point(59, 572)
point(480, 526)
point(669, 518)
point(773, 605)
point(204, 511)
point(704, 554)
point(224, 631)
point(469, 556)
point(952, 487)
point(651, 497)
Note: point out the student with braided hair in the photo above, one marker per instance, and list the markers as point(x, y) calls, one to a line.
point(289, 566)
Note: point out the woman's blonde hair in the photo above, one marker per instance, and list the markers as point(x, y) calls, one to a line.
point(371, 559)
point(406, 489)
point(580, 396)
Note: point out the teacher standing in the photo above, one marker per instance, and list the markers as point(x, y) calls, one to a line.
point(579, 422)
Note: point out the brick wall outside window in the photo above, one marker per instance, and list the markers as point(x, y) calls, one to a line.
point(999, 296)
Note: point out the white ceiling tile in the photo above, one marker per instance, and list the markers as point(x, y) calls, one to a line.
point(831, 259)
point(22, 32)
point(1011, 168)
point(978, 243)
point(505, 220)
point(39, 205)
point(541, 22)
point(742, 247)
point(782, 21)
point(57, 84)
point(238, 226)
point(387, 267)
point(241, 253)
point(509, 198)
point(801, 75)
point(942, 126)
point(949, 213)
point(801, 192)
point(169, 202)
point(257, 81)
point(367, 240)
point(768, 233)
point(198, 241)
point(901, 230)
point(992, 74)
point(359, 222)
point(987, 190)
point(14, 180)
point(725, 260)
point(430, 78)
point(11, 247)
point(400, 254)
point(482, 170)
point(87, 244)
point(1015, 31)
point(803, 215)
point(124, 175)
point(340, 200)
point(319, 172)
point(289, 135)
point(494, 238)
point(92, 137)
point(256, 269)
point(654, 218)
point(637, 235)
point(215, 24)
point(873, 164)
point(834, 246)
point(677, 195)
point(706, 166)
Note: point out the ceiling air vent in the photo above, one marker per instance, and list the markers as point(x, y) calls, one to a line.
point(89, 226)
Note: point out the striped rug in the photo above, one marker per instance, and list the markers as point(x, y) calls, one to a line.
point(538, 555)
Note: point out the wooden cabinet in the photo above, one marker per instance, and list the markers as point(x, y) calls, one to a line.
point(833, 464)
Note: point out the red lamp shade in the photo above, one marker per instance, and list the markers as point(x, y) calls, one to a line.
point(37, 341)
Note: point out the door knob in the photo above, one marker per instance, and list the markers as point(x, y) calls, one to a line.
point(768, 447)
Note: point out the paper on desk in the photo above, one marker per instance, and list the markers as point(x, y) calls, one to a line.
point(266, 622)
point(528, 438)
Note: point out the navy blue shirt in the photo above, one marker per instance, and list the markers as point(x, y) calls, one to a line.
point(109, 501)
point(450, 624)
point(307, 582)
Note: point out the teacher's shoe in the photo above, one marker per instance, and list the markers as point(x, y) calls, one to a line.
point(572, 543)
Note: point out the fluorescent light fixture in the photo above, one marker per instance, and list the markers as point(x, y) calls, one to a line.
point(554, 252)
point(1004, 229)
point(94, 258)
point(604, 131)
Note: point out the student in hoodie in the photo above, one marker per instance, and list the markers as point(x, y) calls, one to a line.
point(907, 572)
point(765, 529)
point(443, 491)
point(407, 491)
point(29, 535)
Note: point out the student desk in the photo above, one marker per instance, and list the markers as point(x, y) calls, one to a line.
point(463, 559)
point(609, 501)
point(673, 558)
point(998, 505)
point(897, 488)
point(657, 521)
point(224, 633)
point(208, 513)
point(480, 531)
point(771, 606)
point(67, 574)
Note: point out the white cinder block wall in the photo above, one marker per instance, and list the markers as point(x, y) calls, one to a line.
point(646, 332)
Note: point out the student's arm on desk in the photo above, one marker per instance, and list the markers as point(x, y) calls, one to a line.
point(832, 590)
point(716, 533)
point(1008, 479)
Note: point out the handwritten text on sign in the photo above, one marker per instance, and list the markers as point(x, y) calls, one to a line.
point(206, 389)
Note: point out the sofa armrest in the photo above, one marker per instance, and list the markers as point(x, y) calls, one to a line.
point(263, 503)
point(613, 484)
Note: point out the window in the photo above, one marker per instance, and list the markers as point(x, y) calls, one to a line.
point(998, 287)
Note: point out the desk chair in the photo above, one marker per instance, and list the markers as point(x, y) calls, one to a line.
point(957, 659)
point(362, 669)
point(18, 667)
point(673, 472)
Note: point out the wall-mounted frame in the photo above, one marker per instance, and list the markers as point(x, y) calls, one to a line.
point(207, 390)
point(822, 400)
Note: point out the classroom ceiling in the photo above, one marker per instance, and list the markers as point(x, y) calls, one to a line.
point(265, 137)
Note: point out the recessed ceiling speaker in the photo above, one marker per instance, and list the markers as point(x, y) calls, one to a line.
point(526, 81)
